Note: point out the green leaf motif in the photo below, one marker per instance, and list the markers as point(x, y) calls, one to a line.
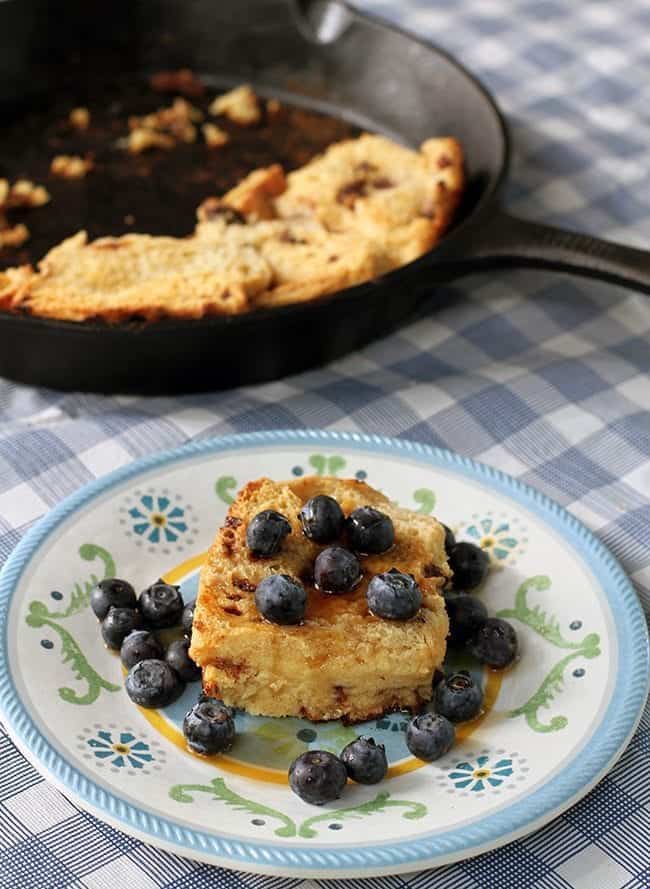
point(39, 616)
point(326, 465)
point(548, 627)
point(182, 793)
point(80, 595)
point(225, 486)
point(380, 803)
point(334, 464)
point(319, 463)
point(71, 653)
point(427, 500)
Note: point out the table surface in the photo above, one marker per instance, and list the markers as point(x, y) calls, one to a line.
point(545, 377)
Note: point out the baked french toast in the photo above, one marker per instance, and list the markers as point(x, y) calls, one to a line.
point(341, 661)
point(362, 208)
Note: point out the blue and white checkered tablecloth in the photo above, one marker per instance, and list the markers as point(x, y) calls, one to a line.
point(545, 377)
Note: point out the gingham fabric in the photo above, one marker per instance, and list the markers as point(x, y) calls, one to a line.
point(545, 377)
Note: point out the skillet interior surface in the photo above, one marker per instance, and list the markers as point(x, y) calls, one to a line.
point(342, 64)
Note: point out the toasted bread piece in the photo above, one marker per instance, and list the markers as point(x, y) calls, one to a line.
point(139, 275)
point(306, 261)
point(253, 196)
point(402, 200)
point(239, 104)
point(362, 208)
point(342, 662)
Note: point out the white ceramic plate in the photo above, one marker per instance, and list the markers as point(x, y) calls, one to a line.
point(555, 723)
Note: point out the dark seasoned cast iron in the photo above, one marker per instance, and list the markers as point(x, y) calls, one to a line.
point(313, 53)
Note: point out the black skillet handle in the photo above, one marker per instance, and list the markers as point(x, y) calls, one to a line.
point(505, 241)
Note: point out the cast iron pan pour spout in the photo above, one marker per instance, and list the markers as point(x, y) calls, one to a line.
point(507, 241)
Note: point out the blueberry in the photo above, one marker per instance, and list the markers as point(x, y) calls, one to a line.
point(161, 605)
point(281, 599)
point(495, 643)
point(317, 777)
point(458, 697)
point(365, 761)
point(187, 618)
point(369, 530)
point(450, 539)
point(429, 736)
point(178, 659)
point(470, 565)
point(394, 595)
point(265, 533)
point(152, 683)
point(111, 592)
point(336, 570)
point(209, 727)
point(322, 519)
point(467, 614)
point(140, 645)
point(117, 625)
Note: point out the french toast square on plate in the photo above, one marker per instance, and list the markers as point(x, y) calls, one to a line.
point(341, 662)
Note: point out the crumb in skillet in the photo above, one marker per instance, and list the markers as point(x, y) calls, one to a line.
point(79, 119)
point(214, 136)
point(23, 193)
point(164, 128)
point(239, 105)
point(13, 235)
point(141, 139)
point(182, 81)
point(70, 166)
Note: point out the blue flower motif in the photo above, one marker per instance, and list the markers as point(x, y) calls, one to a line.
point(123, 750)
point(392, 722)
point(479, 775)
point(495, 537)
point(156, 519)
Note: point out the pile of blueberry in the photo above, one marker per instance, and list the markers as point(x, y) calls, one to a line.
point(157, 676)
point(491, 640)
point(319, 777)
point(282, 599)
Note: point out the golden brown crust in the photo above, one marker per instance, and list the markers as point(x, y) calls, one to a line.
point(117, 278)
point(342, 662)
point(306, 260)
point(401, 199)
point(362, 208)
point(254, 195)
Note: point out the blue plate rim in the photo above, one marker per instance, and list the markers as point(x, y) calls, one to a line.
point(575, 779)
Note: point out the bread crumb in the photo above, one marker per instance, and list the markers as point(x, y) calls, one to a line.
point(129, 219)
point(14, 235)
point(239, 105)
point(214, 136)
point(183, 81)
point(24, 193)
point(79, 119)
point(70, 166)
point(166, 127)
point(142, 139)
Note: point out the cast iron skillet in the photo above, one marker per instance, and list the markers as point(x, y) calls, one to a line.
point(325, 55)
